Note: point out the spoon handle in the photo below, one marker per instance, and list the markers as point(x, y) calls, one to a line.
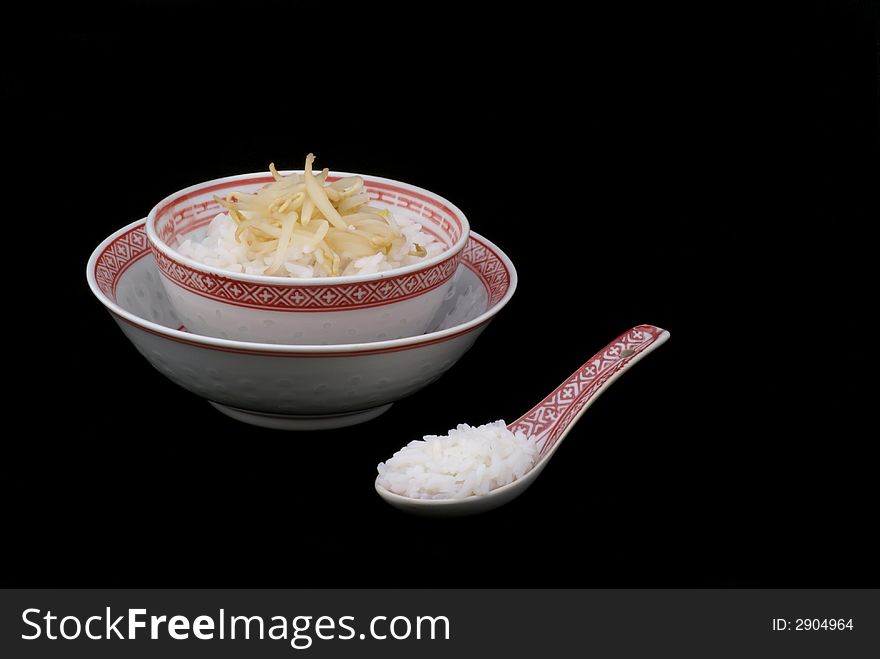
point(552, 418)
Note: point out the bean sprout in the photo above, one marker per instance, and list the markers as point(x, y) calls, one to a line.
point(331, 221)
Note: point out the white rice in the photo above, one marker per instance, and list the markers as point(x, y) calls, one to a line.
point(220, 249)
point(468, 461)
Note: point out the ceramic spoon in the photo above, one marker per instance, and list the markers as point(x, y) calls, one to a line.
point(550, 420)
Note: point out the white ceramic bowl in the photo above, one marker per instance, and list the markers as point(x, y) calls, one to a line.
point(324, 310)
point(297, 387)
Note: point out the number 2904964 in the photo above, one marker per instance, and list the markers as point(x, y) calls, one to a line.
point(812, 624)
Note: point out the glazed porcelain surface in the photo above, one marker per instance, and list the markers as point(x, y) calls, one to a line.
point(323, 310)
point(549, 422)
point(295, 386)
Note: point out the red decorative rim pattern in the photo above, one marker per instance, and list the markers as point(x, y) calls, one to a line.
point(491, 270)
point(132, 245)
point(550, 418)
point(127, 249)
point(342, 297)
point(173, 220)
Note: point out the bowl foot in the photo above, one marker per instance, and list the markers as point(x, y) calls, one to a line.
point(301, 422)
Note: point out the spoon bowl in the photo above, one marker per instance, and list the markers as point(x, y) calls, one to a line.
point(550, 421)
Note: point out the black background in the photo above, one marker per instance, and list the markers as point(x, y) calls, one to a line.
point(708, 173)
